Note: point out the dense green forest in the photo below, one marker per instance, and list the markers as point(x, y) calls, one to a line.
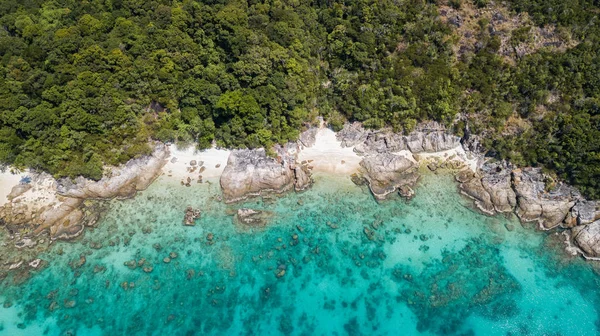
point(87, 83)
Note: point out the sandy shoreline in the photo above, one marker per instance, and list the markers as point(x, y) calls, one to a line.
point(326, 156)
point(329, 156)
point(7, 181)
point(179, 165)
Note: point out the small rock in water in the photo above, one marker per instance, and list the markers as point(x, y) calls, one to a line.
point(35, 263)
point(191, 215)
point(148, 269)
point(509, 227)
point(173, 255)
point(166, 260)
point(70, 303)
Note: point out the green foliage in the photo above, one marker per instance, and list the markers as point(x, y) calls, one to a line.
point(88, 83)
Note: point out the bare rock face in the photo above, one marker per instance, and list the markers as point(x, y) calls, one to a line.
point(431, 141)
point(18, 190)
point(123, 181)
point(302, 177)
point(249, 172)
point(474, 189)
point(387, 173)
point(309, 137)
point(352, 134)
point(498, 183)
point(427, 137)
point(583, 212)
point(587, 239)
point(535, 204)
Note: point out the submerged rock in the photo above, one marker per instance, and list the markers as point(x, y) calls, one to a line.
point(191, 215)
point(253, 218)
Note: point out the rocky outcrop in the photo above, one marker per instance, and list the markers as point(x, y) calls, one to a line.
point(309, 137)
point(352, 134)
point(427, 137)
point(63, 208)
point(250, 172)
point(587, 238)
point(549, 209)
point(123, 181)
point(583, 212)
point(498, 187)
point(388, 173)
point(493, 191)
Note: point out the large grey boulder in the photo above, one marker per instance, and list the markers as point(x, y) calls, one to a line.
point(123, 181)
point(498, 183)
point(387, 173)
point(583, 212)
point(587, 238)
point(549, 209)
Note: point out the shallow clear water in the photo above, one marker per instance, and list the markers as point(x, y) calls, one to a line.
point(429, 266)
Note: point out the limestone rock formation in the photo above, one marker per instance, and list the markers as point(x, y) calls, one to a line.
point(387, 173)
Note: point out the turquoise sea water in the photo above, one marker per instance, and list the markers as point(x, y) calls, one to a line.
point(430, 266)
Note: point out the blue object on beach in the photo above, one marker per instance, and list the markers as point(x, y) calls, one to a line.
point(25, 180)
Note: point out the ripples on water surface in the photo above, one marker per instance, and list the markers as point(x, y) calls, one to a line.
point(427, 267)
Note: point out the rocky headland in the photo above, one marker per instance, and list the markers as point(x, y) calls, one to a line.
point(535, 197)
point(391, 161)
point(42, 209)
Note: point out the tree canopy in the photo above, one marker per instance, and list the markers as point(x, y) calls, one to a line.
point(88, 83)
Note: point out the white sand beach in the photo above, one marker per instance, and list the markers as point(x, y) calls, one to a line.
point(178, 166)
point(7, 181)
point(329, 156)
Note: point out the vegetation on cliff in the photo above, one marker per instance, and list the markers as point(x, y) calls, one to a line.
point(87, 83)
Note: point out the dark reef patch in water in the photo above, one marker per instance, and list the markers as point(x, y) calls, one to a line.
point(335, 263)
